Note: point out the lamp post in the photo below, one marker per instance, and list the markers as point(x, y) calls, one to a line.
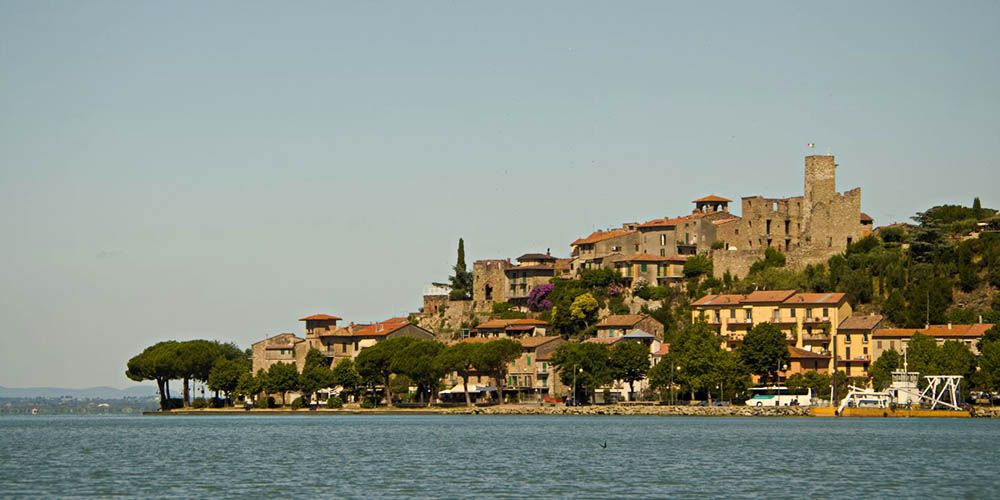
point(673, 398)
point(578, 370)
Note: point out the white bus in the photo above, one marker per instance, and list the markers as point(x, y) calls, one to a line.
point(778, 396)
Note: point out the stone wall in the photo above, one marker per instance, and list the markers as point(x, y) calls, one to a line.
point(489, 283)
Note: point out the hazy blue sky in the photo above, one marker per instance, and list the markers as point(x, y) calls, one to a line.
point(220, 169)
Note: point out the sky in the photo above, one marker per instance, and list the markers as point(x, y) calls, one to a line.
point(178, 170)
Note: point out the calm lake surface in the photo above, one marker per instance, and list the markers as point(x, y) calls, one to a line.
point(475, 456)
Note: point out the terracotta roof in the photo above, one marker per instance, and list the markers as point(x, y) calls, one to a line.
point(866, 218)
point(974, 330)
point(473, 340)
point(321, 317)
point(533, 342)
point(535, 256)
point(765, 296)
point(603, 340)
point(796, 353)
point(645, 257)
point(723, 221)
point(597, 236)
point(496, 324)
point(670, 221)
point(381, 328)
point(281, 339)
point(276, 347)
point(663, 351)
point(710, 198)
point(869, 322)
point(815, 298)
point(719, 300)
point(546, 356)
point(621, 320)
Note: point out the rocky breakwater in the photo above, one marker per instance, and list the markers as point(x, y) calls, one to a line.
point(637, 410)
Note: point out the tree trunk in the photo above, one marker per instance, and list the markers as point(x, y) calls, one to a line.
point(465, 380)
point(631, 390)
point(163, 397)
point(187, 394)
point(166, 384)
point(388, 392)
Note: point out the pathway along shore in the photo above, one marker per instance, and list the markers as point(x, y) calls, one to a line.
point(599, 410)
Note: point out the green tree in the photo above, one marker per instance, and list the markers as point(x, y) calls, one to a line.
point(818, 383)
point(346, 376)
point(584, 309)
point(493, 358)
point(989, 366)
point(881, 370)
point(697, 265)
point(316, 375)
point(630, 363)
point(249, 385)
point(585, 364)
point(459, 358)
point(416, 361)
point(696, 350)
point(158, 363)
point(281, 378)
point(375, 363)
point(730, 374)
point(954, 358)
point(461, 281)
point(225, 375)
point(765, 351)
point(922, 355)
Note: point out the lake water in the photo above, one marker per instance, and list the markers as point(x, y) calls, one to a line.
point(477, 456)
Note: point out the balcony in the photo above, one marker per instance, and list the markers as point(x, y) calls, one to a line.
point(816, 321)
point(861, 358)
point(816, 337)
point(734, 325)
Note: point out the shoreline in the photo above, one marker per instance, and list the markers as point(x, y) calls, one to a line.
point(527, 410)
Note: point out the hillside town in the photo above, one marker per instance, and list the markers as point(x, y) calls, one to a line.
point(690, 307)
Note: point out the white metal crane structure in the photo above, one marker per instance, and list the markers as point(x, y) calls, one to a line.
point(942, 390)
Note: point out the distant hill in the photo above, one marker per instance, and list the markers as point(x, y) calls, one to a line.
point(139, 391)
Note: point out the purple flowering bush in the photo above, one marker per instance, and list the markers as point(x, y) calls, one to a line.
point(538, 297)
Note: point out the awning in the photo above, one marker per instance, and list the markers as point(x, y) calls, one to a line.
point(473, 388)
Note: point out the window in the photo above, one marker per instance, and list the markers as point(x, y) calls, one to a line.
point(663, 252)
point(864, 338)
point(767, 226)
point(826, 313)
point(787, 224)
point(732, 314)
point(663, 240)
point(792, 312)
point(865, 351)
point(529, 360)
point(878, 344)
point(809, 313)
point(355, 345)
point(847, 352)
point(343, 347)
point(642, 267)
point(847, 339)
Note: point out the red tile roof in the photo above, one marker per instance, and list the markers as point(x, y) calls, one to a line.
point(598, 236)
point(663, 351)
point(766, 296)
point(620, 320)
point(974, 330)
point(670, 221)
point(867, 323)
point(533, 342)
point(796, 353)
point(723, 221)
point(719, 300)
point(603, 340)
point(321, 317)
point(381, 328)
point(866, 218)
point(816, 298)
point(712, 198)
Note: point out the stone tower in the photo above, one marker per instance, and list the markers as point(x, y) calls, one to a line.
point(821, 178)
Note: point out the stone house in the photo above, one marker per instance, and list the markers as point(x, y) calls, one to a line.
point(620, 325)
point(281, 348)
point(655, 270)
point(346, 342)
point(531, 376)
point(609, 337)
point(532, 269)
point(509, 328)
point(591, 251)
point(808, 320)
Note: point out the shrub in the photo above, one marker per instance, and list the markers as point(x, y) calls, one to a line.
point(718, 245)
point(297, 404)
point(334, 402)
point(369, 403)
point(217, 403)
point(267, 402)
point(174, 403)
point(199, 403)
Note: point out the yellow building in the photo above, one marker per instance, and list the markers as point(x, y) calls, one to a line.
point(810, 321)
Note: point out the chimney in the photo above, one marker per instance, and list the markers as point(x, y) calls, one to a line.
point(949, 326)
